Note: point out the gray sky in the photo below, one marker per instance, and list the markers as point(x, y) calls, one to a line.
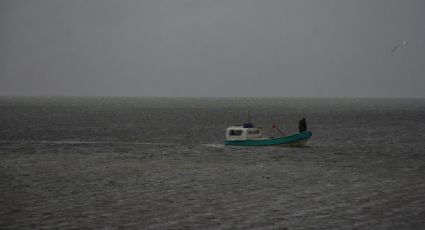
point(293, 48)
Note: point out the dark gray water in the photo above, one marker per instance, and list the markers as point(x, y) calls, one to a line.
point(155, 163)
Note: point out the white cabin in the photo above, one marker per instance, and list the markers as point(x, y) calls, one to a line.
point(243, 132)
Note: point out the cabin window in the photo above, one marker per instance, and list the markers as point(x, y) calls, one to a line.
point(235, 132)
point(253, 131)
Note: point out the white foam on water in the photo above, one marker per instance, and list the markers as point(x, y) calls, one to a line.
point(214, 145)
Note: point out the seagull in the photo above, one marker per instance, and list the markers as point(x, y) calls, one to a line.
point(403, 43)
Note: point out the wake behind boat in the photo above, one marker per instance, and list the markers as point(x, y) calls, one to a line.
point(249, 135)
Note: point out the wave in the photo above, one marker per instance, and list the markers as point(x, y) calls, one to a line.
point(214, 145)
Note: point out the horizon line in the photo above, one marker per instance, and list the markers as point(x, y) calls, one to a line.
point(213, 97)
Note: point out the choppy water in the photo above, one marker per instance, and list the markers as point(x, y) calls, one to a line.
point(156, 163)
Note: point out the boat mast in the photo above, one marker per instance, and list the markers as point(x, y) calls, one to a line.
point(277, 128)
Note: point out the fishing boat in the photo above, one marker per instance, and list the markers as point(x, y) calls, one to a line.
point(249, 135)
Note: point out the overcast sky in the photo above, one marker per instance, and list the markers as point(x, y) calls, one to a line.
point(218, 48)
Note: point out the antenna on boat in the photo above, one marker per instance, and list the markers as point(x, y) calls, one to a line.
point(249, 117)
point(403, 43)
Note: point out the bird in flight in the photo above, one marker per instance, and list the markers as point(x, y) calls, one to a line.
point(403, 43)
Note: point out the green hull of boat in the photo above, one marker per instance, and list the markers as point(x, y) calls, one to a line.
point(294, 140)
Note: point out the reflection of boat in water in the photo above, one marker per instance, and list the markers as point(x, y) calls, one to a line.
point(249, 135)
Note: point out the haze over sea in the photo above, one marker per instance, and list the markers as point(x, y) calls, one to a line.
point(160, 163)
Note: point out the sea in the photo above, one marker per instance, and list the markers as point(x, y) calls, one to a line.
point(160, 163)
